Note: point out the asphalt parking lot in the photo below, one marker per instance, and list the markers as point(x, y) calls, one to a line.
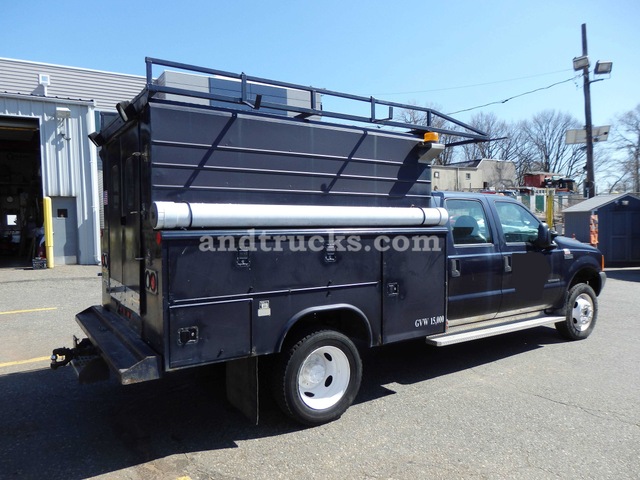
point(525, 405)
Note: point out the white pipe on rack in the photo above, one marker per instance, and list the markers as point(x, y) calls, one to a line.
point(166, 215)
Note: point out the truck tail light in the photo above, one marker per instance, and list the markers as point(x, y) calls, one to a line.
point(151, 281)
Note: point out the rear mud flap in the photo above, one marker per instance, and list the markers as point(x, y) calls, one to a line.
point(242, 386)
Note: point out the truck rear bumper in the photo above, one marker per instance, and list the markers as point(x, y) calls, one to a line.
point(126, 354)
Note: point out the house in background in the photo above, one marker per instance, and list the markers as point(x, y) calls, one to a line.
point(476, 175)
point(618, 226)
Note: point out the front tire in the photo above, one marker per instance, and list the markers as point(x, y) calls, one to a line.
point(318, 378)
point(581, 309)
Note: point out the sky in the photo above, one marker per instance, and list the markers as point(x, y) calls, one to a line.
point(453, 55)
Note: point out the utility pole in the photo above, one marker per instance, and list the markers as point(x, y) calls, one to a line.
point(601, 68)
point(590, 182)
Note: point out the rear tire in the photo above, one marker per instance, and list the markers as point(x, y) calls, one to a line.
point(581, 310)
point(317, 379)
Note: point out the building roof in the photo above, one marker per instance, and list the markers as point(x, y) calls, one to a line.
point(466, 163)
point(596, 202)
point(471, 163)
point(542, 173)
point(27, 80)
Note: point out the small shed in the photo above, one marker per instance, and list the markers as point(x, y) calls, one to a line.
point(618, 224)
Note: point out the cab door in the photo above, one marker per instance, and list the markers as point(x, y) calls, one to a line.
point(532, 277)
point(475, 263)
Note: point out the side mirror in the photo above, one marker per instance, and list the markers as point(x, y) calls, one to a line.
point(545, 236)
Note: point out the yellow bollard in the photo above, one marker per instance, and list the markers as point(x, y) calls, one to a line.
point(550, 192)
point(48, 230)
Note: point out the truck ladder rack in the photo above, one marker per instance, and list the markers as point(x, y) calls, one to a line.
point(465, 333)
point(381, 112)
point(129, 357)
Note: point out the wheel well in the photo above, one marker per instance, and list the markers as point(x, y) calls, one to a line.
point(588, 276)
point(347, 321)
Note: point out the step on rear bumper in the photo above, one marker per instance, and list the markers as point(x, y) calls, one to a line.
point(123, 351)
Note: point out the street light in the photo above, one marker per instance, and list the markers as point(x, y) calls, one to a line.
point(580, 62)
point(602, 68)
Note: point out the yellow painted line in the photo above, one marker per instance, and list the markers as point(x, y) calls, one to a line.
point(22, 362)
point(29, 310)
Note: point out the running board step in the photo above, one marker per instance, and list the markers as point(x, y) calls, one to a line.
point(452, 337)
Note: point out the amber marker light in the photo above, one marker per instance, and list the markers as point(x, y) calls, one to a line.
point(431, 137)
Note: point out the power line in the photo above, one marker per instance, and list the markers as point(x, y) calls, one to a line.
point(474, 85)
point(516, 96)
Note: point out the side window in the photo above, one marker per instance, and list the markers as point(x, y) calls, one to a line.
point(468, 222)
point(518, 223)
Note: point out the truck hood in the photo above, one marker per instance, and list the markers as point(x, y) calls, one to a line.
point(573, 244)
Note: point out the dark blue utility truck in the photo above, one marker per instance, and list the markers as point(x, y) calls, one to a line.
point(248, 219)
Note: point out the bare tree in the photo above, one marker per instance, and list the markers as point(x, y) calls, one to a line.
point(504, 143)
point(544, 146)
point(626, 142)
point(526, 156)
point(510, 143)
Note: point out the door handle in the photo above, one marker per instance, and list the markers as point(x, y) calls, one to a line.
point(508, 265)
point(455, 267)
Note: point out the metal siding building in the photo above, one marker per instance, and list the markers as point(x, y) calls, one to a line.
point(104, 89)
point(60, 106)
